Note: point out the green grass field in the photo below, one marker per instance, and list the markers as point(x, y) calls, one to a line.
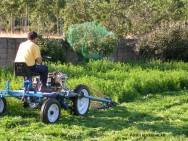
point(154, 117)
point(156, 107)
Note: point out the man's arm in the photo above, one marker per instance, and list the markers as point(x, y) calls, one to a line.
point(39, 60)
point(37, 54)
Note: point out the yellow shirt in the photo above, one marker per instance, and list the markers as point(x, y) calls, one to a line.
point(28, 52)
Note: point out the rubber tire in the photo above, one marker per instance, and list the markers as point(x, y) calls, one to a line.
point(76, 101)
point(44, 113)
point(3, 105)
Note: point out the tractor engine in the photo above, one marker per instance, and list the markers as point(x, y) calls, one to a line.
point(56, 80)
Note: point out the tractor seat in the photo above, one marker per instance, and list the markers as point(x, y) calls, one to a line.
point(21, 69)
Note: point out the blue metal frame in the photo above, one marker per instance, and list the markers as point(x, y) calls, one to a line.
point(19, 93)
point(62, 96)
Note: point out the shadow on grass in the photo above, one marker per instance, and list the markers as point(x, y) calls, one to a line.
point(119, 118)
point(115, 119)
point(15, 109)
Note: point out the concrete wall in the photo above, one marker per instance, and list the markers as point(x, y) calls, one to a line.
point(126, 51)
point(9, 47)
point(8, 50)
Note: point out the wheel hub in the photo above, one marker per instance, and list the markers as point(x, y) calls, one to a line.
point(53, 113)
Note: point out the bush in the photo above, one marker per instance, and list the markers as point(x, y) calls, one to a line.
point(169, 42)
point(91, 40)
point(53, 48)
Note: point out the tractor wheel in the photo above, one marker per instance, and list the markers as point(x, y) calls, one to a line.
point(50, 111)
point(3, 105)
point(81, 104)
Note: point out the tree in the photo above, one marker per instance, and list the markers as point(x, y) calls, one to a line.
point(76, 12)
point(111, 14)
point(9, 8)
point(57, 9)
point(136, 17)
point(46, 16)
point(148, 15)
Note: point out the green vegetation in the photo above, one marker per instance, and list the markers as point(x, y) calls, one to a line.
point(121, 17)
point(170, 42)
point(91, 40)
point(52, 47)
point(121, 81)
point(159, 26)
point(154, 117)
point(157, 107)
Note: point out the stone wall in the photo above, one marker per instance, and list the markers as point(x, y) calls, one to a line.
point(9, 47)
point(8, 50)
point(126, 51)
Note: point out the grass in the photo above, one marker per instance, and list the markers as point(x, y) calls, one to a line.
point(152, 97)
point(161, 116)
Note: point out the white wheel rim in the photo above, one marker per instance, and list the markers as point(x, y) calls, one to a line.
point(83, 103)
point(53, 113)
point(2, 106)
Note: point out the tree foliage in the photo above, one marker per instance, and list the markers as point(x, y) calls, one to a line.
point(138, 18)
point(44, 16)
point(133, 17)
point(53, 48)
point(149, 15)
point(111, 14)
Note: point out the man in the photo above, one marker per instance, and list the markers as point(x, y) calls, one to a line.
point(29, 53)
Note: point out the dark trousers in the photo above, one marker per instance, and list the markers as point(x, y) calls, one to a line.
point(43, 71)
